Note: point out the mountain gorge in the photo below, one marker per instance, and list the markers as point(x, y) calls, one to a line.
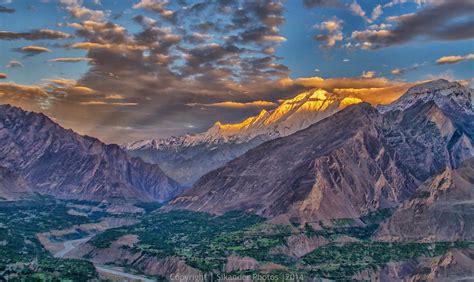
point(64, 164)
point(358, 160)
point(187, 157)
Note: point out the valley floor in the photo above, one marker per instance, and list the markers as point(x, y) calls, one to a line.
point(48, 240)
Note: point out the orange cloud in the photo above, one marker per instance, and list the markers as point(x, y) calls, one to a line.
point(375, 90)
point(101, 103)
point(454, 59)
point(82, 90)
point(69, 60)
point(34, 49)
point(238, 105)
point(61, 81)
point(114, 97)
point(93, 103)
point(89, 45)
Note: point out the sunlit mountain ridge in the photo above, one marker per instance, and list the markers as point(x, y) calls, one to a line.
point(187, 157)
point(290, 116)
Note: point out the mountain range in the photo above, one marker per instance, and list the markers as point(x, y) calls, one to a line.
point(358, 160)
point(355, 159)
point(188, 157)
point(52, 160)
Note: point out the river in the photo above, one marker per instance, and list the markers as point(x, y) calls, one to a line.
point(72, 244)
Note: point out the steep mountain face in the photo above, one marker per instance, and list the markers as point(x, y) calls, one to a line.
point(12, 187)
point(64, 164)
point(353, 162)
point(188, 157)
point(442, 209)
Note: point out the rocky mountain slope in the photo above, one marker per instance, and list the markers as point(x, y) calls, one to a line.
point(12, 187)
point(442, 92)
point(343, 166)
point(441, 210)
point(186, 158)
point(64, 164)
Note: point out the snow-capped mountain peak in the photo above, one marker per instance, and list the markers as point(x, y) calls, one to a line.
point(290, 116)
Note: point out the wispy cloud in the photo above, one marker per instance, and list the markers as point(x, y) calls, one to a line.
point(4, 9)
point(454, 59)
point(358, 10)
point(332, 33)
point(443, 20)
point(33, 50)
point(238, 105)
point(38, 34)
point(69, 60)
point(14, 64)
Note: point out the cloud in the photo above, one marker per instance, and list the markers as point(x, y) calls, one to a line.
point(322, 3)
point(400, 18)
point(3, 76)
point(89, 45)
point(238, 105)
point(397, 71)
point(446, 20)
point(357, 9)
point(33, 50)
point(273, 38)
point(454, 59)
point(401, 71)
point(377, 90)
point(368, 74)
point(93, 103)
point(377, 12)
point(126, 104)
point(38, 34)
point(419, 2)
point(332, 33)
point(62, 82)
point(157, 6)
point(114, 97)
point(144, 75)
point(102, 103)
point(69, 60)
point(145, 21)
point(82, 90)
point(29, 97)
point(14, 64)
point(4, 9)
point(23, 90)
point(77, 11)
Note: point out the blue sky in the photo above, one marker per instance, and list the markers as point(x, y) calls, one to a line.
point(151, 68)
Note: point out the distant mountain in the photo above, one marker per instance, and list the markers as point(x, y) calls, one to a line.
point(187, 157)
point(441, 210)
point(12, 186)
point(64, 164)
point(344, 166)
point(442, 92)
